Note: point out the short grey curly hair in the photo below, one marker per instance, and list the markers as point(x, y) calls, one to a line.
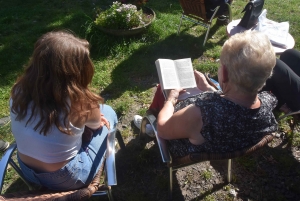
point(249, 58)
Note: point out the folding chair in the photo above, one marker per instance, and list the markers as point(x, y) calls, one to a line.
point(96, 188)
point(193, 158)
point(194, 11)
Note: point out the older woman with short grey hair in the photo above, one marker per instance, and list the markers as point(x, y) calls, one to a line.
point(249, 59)
point(227, 120)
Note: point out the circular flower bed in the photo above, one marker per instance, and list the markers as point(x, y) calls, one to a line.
point(124, 19)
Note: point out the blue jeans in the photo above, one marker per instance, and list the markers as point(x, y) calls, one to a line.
point(80, 170)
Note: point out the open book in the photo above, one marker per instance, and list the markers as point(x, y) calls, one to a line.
point(177, 74)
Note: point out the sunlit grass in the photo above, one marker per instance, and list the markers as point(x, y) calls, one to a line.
point(123, 65)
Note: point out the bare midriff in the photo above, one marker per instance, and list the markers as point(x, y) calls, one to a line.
point(40, 166)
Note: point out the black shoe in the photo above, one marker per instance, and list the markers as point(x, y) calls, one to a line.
point(222, 20)
point(3, 146)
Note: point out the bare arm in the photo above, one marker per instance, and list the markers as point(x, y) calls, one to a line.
point(94, 119)
point(202, 83)
point(185, 123)
point(89, 116)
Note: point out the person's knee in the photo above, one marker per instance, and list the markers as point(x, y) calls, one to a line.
point(109, 113)
point(106, 109)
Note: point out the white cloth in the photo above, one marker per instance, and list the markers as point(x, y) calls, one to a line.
point(53, 148)
point(277, 32)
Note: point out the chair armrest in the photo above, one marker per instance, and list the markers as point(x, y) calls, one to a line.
point(162, 143)
point(110, 164)
point(4, 162)
point(7, 159)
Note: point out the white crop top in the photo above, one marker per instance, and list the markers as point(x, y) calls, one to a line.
point(53, 148)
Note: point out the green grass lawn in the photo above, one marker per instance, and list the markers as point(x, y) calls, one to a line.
point(120, 61)
point(124, 65)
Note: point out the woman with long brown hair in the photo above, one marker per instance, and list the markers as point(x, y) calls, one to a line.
point(51, 105)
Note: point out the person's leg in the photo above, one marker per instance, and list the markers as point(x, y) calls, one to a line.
point(157, 102)
point(222, 13)
point(285, 85)
point(97, 147)
point(156, 105)
point(210, 6)
point(291, 57)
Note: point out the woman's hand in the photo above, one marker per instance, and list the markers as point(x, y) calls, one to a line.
point(104, 121)
point(173, 95)
point(201, 81)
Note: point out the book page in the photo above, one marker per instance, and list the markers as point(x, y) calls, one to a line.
point(167, 73)
point(185, 73)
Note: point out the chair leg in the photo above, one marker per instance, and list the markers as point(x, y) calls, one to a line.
point(171, 183)
point(120, 139)
point(229, 171)
point(209, 25)
point(109, 194)
point(179, 24)
point(206, 35)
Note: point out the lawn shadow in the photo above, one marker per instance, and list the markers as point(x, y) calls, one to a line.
point(139, 71)
point(271, 173)
point(23, 22)
point(141, 174)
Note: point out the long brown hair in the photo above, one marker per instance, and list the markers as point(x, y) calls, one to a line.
point(57, 76)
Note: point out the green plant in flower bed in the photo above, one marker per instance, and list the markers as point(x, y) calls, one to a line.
point(120, 16)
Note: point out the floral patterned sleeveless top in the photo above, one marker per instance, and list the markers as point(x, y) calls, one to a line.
point(227, 126)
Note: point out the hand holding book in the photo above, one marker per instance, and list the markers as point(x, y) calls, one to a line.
point(179, 74)
point(175, 74)
point(202, 82)
point(173, 94)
